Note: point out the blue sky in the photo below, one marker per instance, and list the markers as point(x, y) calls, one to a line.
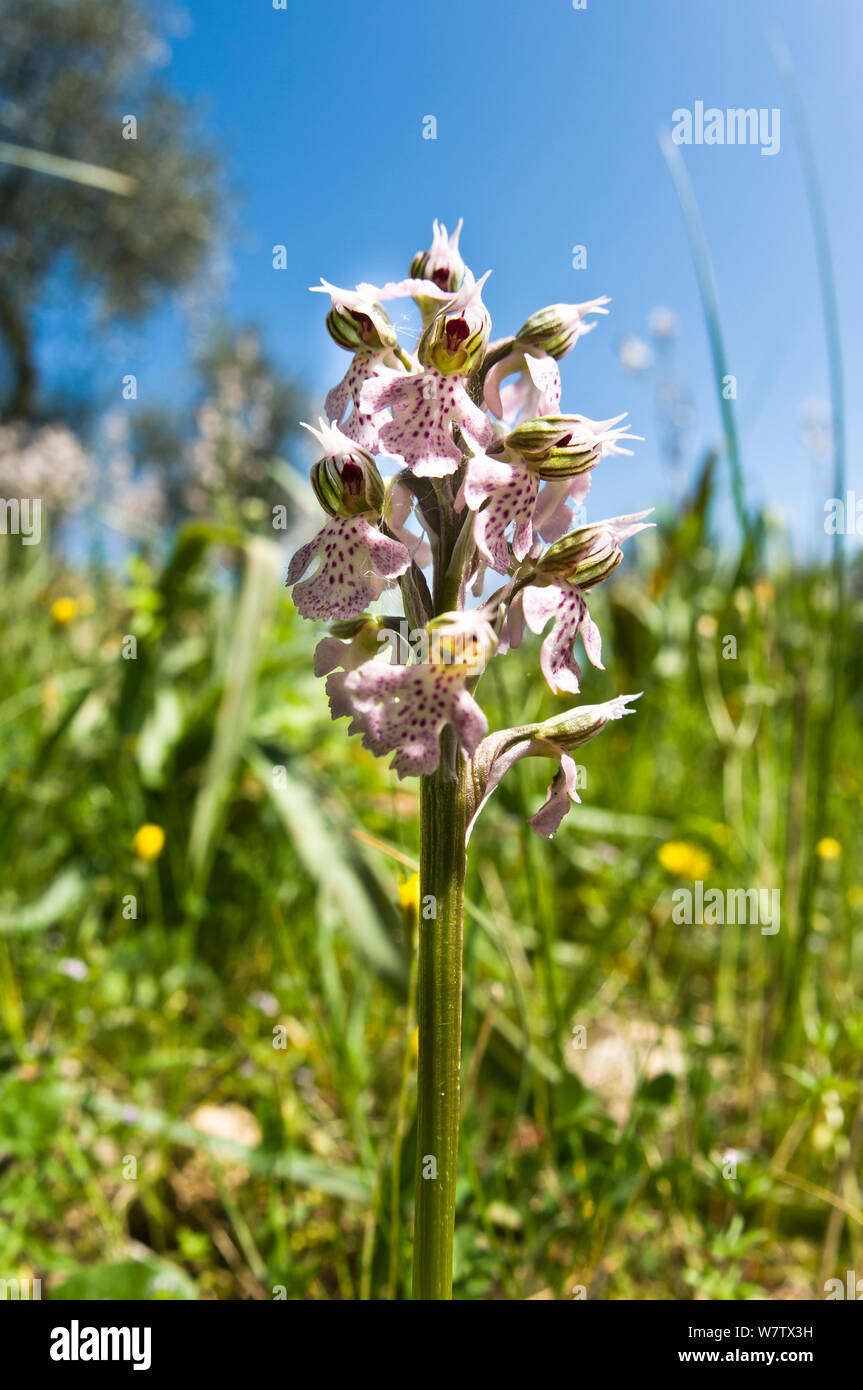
point(547, 121)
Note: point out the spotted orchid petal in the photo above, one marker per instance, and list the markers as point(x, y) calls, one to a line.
point(425, 407)
point(536, 392)
point(564, 605)
point(403, 710)
point(356, 563)
point(510, 492)
point(364, 645)
point(558, 798)
point(361, 426)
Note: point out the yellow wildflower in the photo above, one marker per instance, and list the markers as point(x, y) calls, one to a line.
point(683, 860)
point(148, 842)
point(828, 848)
point(409, 893)
point(65, 610)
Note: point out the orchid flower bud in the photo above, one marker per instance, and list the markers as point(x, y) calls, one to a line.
point(589, 554)
point(441, 264)
point(557, 328)
point(348, 489)
point(454, 341)
point(586, 572)
point(346, 481)
point(356, 329)
point(578, 726)
point(357, 320)
point(555, 446)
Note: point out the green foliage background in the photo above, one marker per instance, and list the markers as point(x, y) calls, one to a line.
point(275, 905)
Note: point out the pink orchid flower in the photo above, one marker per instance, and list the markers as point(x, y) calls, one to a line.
point(404, 709)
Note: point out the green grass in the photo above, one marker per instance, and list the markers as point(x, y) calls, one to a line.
point(272, 915)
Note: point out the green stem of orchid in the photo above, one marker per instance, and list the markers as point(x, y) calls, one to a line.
point(443, 820)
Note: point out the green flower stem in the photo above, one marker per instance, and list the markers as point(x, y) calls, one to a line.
point(443, 820)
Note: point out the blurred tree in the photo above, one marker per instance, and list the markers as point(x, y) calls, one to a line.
point(72, 74)
point(248, 418)
point(225, 459)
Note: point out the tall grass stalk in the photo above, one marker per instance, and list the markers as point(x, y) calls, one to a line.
point(710, 302)
point(826, 730)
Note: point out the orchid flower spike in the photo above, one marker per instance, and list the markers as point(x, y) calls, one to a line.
point(487, 473)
